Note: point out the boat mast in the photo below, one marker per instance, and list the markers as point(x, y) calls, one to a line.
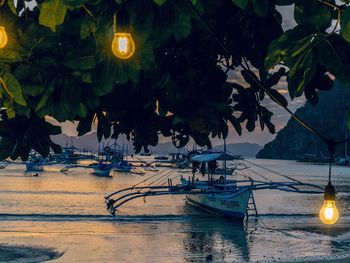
point(346, 143)
point(225, 163)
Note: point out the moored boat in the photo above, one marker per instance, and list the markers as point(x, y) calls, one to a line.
point(35, 163)
point(122, 166)
point(226, 197)
point(102, 169)
point(232, 203)
point(32, 167)
point(3, 165)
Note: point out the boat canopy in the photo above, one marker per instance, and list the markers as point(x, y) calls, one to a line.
point(205, 158)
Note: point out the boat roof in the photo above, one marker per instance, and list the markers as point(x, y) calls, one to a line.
point(207, 157)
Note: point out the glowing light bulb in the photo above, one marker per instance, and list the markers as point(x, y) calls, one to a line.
point(329, 213)
point(123, 45)
point(3, 37)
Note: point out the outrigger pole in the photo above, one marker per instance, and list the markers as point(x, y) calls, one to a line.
point(143, 191)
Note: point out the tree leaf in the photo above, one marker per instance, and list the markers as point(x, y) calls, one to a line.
point(84, 125)
point(52, 13)
point(284, 2)
point(9, 56)
point(83, 63)
point(291, 43)
point(159, 2)
point(6, 147)
point(182, 27)
point(301, 73)
point(345, 24)
point(279, 97)
point(13, 89)
point(241, 3)
point(82, 111)
point(261, 7)
point(45, 96)
point(75, 3)
point(313, 13)
point(104, 81)
point(334, 54)
point(235, 123)
point(85, 29)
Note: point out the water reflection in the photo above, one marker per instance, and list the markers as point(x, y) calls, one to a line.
point(215, 239)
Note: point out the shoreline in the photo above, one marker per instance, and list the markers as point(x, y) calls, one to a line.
point(337, 258)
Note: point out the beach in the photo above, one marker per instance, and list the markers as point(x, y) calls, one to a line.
point(62, 218)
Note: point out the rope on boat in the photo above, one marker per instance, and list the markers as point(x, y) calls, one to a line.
point(173, 178)
point(145, 180)
point(162, 177)
point(259, 174)
point(275, 172)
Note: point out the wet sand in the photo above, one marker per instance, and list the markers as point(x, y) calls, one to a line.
point(24, 254)
point(62, 218)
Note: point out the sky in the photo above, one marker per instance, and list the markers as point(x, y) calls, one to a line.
point(280, 116)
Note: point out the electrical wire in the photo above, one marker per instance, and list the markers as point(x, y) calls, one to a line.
point(329, 142)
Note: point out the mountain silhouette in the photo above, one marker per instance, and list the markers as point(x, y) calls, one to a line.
point(328, 117)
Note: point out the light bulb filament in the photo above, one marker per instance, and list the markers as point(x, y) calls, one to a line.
point(328, 213)
point(123, 45)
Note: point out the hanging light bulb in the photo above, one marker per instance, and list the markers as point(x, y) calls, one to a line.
point(329, 213)
point(123, 45)
point(3, 37)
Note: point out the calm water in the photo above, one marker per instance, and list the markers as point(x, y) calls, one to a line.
point(67, 213)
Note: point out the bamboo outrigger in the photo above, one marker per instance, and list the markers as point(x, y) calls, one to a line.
point(221, 196)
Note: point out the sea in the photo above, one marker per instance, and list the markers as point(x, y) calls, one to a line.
point(62, 217)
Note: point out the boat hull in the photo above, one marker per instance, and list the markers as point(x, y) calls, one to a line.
point(232, 204)
point(102, 171)
point(34, 167)
point(125, 169)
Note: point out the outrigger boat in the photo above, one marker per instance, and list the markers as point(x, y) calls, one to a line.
point(3, 164)
point(102, 169)
point(35, 163)
point(231, 198)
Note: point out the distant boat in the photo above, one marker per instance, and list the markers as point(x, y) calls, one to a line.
point(3, 165)
point(125, 167)
point(161, 158)
point(122, 166)
point(102, 169)
point(146, 154)
point(114, 155)
point(69, 155)
point(343, 161)
point(313, 158)
point(35, 163)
